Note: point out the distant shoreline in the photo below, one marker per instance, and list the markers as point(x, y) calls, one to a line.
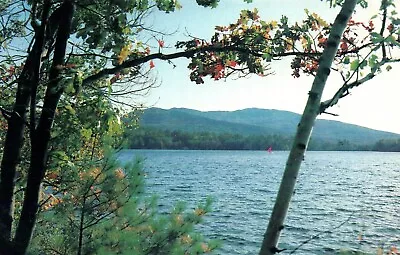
point(266, 152)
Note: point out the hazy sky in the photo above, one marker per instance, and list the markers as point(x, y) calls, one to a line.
point(374, 104)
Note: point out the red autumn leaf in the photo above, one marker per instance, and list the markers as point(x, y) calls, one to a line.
point(52, 175)
point(70, 66)
point(371, 24)
point(11, 70)
point(116, 77)
point(218, 71)
point(161, 43)
point(113, 79)
point(322, 41)
point(344, 46)
point(231, 63)
point(152, 64)
point(219, 67)
point(390, 27)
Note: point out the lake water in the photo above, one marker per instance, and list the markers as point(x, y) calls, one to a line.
point(358, 191)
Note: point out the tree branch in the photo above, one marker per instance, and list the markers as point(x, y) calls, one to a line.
point(343, 91)
point(192, 52)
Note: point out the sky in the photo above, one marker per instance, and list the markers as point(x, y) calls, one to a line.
point(373, 105)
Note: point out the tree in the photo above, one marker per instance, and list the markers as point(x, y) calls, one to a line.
point(304, 128)
point(314, 106)
point(71, 49)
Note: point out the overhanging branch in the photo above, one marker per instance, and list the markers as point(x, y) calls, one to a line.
point(344, 90)
point(183, 54)
point(192, 52)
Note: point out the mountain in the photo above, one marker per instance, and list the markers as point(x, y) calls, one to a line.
point(254, 121)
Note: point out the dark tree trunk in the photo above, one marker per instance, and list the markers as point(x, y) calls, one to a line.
point(14, 139)
point(39, 150)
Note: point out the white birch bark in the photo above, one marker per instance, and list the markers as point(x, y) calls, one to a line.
point(304, 129)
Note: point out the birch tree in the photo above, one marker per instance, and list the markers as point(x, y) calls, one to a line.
point(303, 133)
point(382, 41)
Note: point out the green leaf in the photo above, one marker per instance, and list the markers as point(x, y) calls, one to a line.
point(267, 57)
point(86, 133)
point(354, 65)
point(363, 64)
point(346, 60)
point(388, 68)
point(390, 39)
point(70, 88)
point(70, 109)
point(376, 38)
point(372, 61)
point(363, 3)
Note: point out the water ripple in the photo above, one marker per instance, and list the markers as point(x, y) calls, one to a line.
point(358, 190)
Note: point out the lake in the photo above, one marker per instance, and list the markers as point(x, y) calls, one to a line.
point(353, 197)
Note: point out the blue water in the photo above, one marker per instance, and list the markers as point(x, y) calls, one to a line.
point(358, 191)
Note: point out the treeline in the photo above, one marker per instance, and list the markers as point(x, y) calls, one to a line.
point(148, 138)
point(387, 145)
point(151, 138)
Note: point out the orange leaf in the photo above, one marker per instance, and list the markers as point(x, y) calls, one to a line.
point(199, 212)
point(289, 44)
point(52, 175)
point(231, 63)
point(205, 247)
point(124, 53)
point(119, 173)
point(152, 64)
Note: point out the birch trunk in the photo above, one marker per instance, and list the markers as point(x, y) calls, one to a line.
point(304, 129)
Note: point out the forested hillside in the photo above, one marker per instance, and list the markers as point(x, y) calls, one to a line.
point(248, 129)
point(151, 138)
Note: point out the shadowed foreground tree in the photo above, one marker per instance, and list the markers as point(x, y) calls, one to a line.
point(57, 57)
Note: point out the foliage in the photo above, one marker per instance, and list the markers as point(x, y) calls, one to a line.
point(260, 122)
point(387, 145)
point(152, 138)
point(91, 203)
point(261, 42)
point(61, 122)
point(380, 251)
point(104, 207)
point(148, 138)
